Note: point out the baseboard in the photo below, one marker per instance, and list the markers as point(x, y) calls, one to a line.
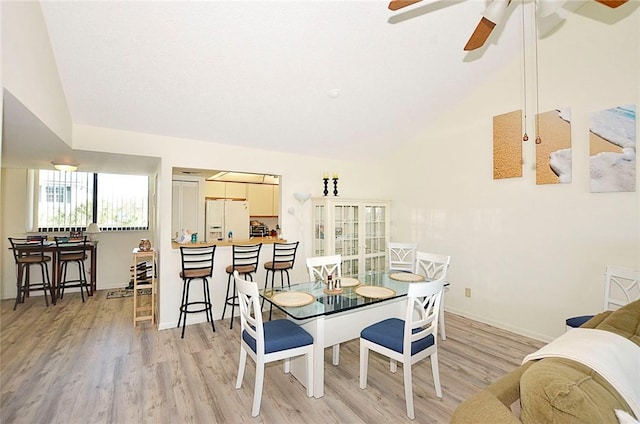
point(111, 286)
point(196, 319)
point(501, 325)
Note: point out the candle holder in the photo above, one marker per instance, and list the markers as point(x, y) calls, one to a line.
point(326, 186)
point(335, 187)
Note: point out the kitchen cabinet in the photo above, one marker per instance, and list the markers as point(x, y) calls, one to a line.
point(356, 229)
point(215, 189)
point(224, 190)
point(236, 191)
point(276, 200)
point(184, 206)
point(263, 199)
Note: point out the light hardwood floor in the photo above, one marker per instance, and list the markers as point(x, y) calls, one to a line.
point(85, 363)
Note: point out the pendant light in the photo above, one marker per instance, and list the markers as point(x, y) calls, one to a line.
point(525, 137)
point(538, 138)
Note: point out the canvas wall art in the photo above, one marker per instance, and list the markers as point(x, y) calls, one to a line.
point(612, 149)
point(507, 145)
point(553, 152)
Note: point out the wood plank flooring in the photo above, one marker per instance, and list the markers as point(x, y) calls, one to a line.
point(85, 363)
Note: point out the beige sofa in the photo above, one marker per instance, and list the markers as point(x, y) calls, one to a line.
point(555, 390)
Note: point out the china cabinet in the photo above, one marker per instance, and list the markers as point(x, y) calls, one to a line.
point(356, 229)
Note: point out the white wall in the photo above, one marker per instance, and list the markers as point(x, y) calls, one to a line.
point(299, 174)
point(29, 72)
point(29, 68)
point(532, 255)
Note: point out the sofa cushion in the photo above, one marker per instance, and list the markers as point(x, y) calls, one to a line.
point(624, 322)
point(563, 391)
point(575, 322)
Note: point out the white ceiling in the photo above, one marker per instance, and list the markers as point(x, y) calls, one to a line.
point(311, 77)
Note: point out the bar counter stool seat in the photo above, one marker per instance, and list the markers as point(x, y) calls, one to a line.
point(72, 251)
point(197, 264)
point(26, 253)
point(245, 262)
point(284, 256)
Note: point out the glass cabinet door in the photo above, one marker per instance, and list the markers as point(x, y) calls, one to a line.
point(347, 236)
point(375, 237)
point(319, 220)
point(355, 229)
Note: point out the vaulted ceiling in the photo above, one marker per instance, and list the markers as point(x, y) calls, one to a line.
point(312, 77)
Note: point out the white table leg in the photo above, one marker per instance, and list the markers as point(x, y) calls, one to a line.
point(315, 327)
point(339, 328)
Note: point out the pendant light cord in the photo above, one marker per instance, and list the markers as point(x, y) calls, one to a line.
point(524, 75)
point(538, 138)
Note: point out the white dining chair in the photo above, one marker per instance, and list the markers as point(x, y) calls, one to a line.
point(435, 267)
point(268, 341)
point(621, 287)
point(319, 267)
point(402, 256)
point(407, 341)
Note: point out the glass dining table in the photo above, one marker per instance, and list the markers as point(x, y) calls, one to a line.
point(336, 317)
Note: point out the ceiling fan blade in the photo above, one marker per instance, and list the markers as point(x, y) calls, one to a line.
point(490, 18)
point(399, 4)
point(480, 35)
point(612, 3)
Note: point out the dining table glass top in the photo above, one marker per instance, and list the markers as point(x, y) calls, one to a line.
point(373, 287)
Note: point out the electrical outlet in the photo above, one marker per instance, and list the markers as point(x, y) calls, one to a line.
point(467, 292)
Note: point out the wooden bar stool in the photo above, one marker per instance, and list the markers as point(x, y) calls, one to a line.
point(245, 261)
point(72, 251)
point(28, 252)
point(197, 264)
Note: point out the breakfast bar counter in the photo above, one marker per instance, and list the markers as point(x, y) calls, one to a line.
point(223, 257)
point(234, 242)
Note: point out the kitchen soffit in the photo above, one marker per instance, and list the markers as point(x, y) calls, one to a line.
point(228, 176)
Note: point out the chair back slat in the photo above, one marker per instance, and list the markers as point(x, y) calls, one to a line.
point(321, 266)
point(285, 253)
point(32, 247)
point(432, 265)
point(71, 248)
point(622, 286)
point(198, 260)
point(423, 309)
point(250, 310)
point(246, 255)
point(402, 256)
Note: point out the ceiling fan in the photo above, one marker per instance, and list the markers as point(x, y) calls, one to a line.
point(495, 11)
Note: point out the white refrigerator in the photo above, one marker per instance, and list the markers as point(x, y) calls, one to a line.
point(224, 216)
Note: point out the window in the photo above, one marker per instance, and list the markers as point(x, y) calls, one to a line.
point(71, 200)
point(122, 202)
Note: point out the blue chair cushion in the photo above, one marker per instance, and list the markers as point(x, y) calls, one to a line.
point(575, 322)
point(390, 334)
point(280, 334)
